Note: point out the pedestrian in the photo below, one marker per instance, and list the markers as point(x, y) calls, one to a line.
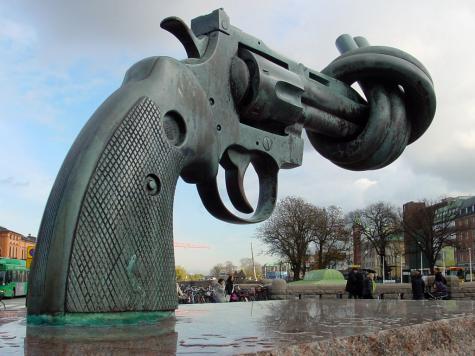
point(359, 284)
point(182, 297)
point(229, 286)
point(234, 297)
point(369, 286)
point(352, 284)
point(439, 287)
point(218, 291)
point(418, 286)
point(441, 277)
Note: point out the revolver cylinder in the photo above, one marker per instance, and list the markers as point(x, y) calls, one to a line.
point(272, 97)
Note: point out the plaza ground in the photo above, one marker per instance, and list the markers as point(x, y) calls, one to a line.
point(15, 303)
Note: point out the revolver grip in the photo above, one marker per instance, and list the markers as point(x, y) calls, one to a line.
point(106, 240)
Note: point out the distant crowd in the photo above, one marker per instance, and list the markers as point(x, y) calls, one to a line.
point(220, 291)
point(438, 290)
point(361, 285)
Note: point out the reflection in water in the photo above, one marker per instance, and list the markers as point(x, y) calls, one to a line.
point(229, 328)
point(294, 320)
point(158, 339)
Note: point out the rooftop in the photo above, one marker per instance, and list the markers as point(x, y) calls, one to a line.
point(27, 238)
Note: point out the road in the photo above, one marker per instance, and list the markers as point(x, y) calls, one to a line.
point(15, 303)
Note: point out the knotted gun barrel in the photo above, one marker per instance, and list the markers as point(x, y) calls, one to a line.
point(105, 244)
point(350, 131)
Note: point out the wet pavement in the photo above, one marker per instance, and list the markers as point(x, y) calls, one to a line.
point(228, 328)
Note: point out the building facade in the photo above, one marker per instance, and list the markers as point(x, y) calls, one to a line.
point(414, 257)
point(457, 215)
point(15, 245)
point(394, 258)
point(465, 233)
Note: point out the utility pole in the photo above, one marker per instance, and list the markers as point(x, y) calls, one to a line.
point(401, 267)
point(470, 261)
point(443, 261)
point(421, 262)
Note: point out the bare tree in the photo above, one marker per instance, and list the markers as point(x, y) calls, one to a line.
point(217, 270)
point(248, 267)
point(289, 232)
point(229, 267)
point(378, 223)
point(331, 236)
point(431, 227)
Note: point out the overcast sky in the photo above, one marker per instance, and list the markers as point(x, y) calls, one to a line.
point(59, 60)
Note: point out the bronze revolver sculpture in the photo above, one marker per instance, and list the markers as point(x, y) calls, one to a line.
point(106, 242)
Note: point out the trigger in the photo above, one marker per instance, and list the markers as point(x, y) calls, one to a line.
point(195, 47)
point(235, 165)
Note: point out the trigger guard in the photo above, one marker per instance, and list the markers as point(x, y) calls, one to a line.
point(267, 173)
point(235, 165)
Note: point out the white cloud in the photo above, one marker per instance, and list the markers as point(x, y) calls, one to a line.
point(16, 33)
point(364, 183)
point(467, 139)
point(12, 181)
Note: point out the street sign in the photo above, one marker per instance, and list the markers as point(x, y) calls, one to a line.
point(30, 252)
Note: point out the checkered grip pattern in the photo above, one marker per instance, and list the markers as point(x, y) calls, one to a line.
point(122, 256)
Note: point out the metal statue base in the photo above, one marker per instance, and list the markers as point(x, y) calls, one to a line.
point(100, 319)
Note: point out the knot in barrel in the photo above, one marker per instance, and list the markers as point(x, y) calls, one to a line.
point(401, 104)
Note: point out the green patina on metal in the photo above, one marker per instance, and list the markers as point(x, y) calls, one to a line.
point(100, 319)
point(105, 244)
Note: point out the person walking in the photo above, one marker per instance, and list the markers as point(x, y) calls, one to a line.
point(218, 292)
point(229, 286)
point(369, 286)
point(440, 276)
point(352, 284)
point(359, 284)
point(182, 297)
point(418, 286)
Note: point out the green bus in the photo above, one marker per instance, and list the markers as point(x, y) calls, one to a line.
point(13, 277)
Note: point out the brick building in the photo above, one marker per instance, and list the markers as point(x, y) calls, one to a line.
point(14, 245)
point(410, 212)
point(459, 214)
point(465, 233)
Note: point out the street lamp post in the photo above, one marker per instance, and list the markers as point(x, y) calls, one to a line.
point(421, 261)
point(470, 261)
point(443, 260)
point(401, 267)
